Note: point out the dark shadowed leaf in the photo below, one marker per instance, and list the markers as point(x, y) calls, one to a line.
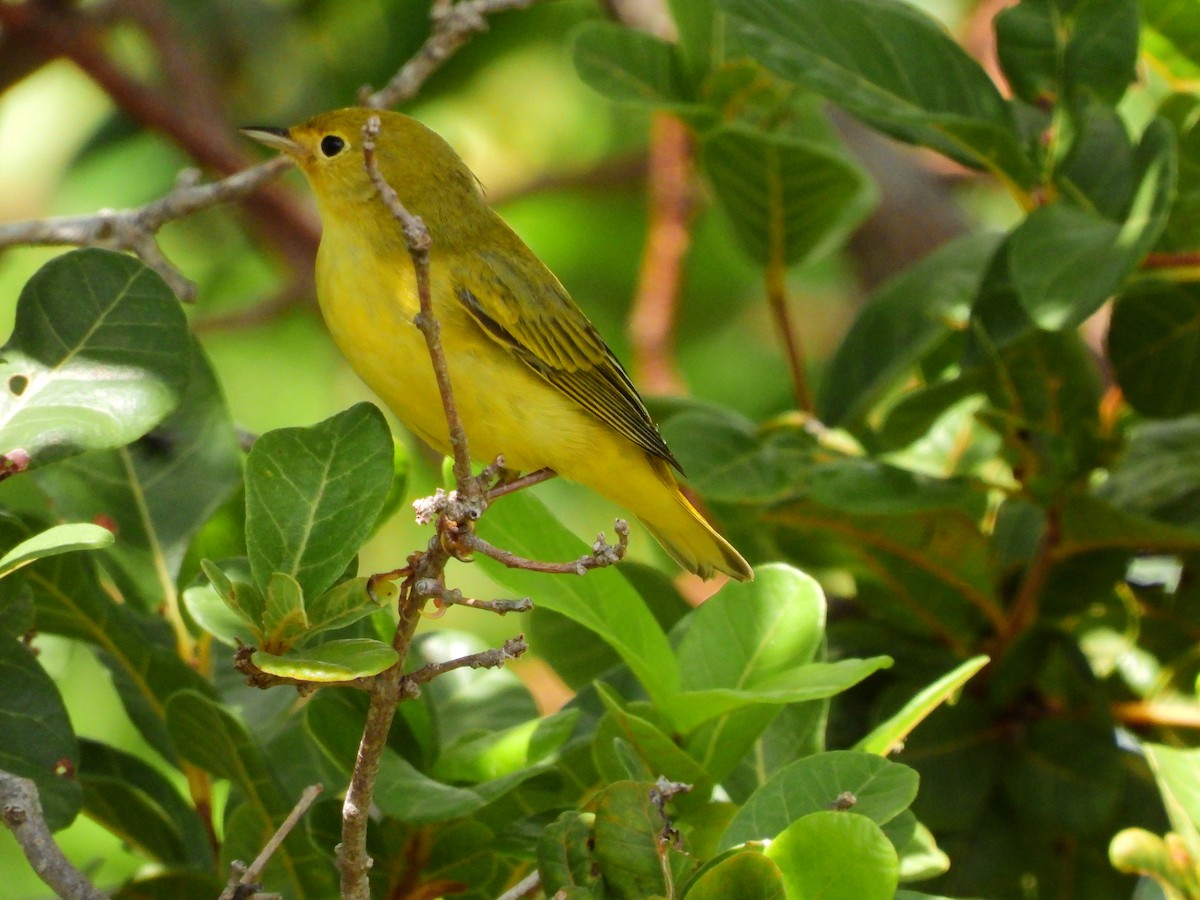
point(922, 88)
point(36, 739)
point(1154, 344)
point(788, 199)
point(629, 66)
point(137, 802)
point(147, 492)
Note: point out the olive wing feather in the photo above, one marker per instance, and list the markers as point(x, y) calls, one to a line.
point(550, 334)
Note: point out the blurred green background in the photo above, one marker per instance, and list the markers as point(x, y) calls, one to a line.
point(564, 166)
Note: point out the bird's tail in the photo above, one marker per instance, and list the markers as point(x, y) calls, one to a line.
point(693, 543)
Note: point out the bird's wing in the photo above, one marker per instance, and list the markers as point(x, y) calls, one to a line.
point(519, 303)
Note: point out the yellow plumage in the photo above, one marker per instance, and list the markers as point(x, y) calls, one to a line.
point(533, 379)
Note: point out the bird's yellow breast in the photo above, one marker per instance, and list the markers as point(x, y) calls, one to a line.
point(369, 302)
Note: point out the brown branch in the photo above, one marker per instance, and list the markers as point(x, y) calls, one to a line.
point(134, 229)
point(21, 811)
point(603, 553)
point(777, 299)
point(526, 887)
point(443, 597)
point(519, 484)
point(453, 25)
point(242, 878)
point(1024, 610)
point(487, 659)
point(668, 236)
point(1156, 714)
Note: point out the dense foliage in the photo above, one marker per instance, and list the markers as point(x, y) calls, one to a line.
point(1000, 508)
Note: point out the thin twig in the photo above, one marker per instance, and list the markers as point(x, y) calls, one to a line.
point(523, 888)
point(603, 553)
point(454, 597)
point(252, 874)
point(416, 237)
point(134, 229)
point(778, 301)
point(1024, 608)
point(518, 484)
point(21, 811)
point(453, 25)
point(487, 659)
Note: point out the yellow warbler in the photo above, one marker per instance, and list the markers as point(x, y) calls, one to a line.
point(532, 377)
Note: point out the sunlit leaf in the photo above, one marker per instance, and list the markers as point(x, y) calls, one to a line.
point(98, 356)
point(313, 494)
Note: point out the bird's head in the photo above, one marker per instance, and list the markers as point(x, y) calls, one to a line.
point(427, 175)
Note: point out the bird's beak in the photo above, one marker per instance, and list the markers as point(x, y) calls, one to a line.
point(277, 138)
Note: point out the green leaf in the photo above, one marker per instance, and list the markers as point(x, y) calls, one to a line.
point(891, 66)
point(1154, 345)
point(700, 40)
point(495, 754)
point(98, 356)
point(332, 661)
point(1176, 21)
point(1182, 231)
point(657, 754)
point(212, 613)
point(138, 651)
point(920, 544)
point(1067, 776)
point(1065, 261)
point(55, 540)
point(208, 736)
point(149, 492)
point(313, 494)
point(344, 604)
point(571, 650)
point(746, 875)
point(603, 601)
point(888, 736)
point(402, 790)
point(743, 636)
point(728, 462)
point(920, 857)
point(836, 855)
point(629, 66)
point(626, 840)
point(1065, 50)
point(1177, 772)
point(1053, 436)
point(564, 854)
point(1158, 475)
point(1139, 852)
point(36, 739)
point(136, 802)
point(815, 681)
point(880, 791)
point(905, 319)
point(283, 618)
point(788, 199)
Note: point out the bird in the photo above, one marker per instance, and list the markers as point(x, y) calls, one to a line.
point(533, 380)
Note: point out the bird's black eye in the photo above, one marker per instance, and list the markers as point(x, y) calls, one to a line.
point(332, 145)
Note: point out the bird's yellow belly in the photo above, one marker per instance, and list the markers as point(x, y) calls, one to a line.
point(505, 407)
